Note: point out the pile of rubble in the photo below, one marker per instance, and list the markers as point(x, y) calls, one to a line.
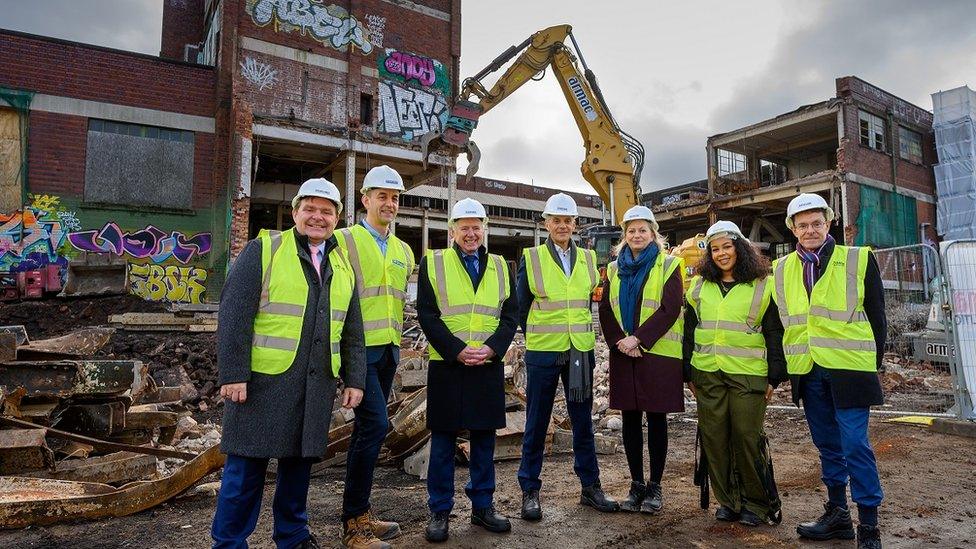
point(84, 435)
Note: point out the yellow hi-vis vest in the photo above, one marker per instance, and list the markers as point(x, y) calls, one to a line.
point(470, 316)
point(560, 315)
point(284, 294)
point(729, 332)
point(380, 280)
point(670, 343)
point(830, 327)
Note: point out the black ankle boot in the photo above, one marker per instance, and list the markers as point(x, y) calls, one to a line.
point(438, 526)
point(531, 509)
point(638, 491)
point(488, 519)
point(595, 498)
point(868, 537)
point(835, 523)
point(654, 501)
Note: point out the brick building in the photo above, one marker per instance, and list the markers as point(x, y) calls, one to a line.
point(868, 152)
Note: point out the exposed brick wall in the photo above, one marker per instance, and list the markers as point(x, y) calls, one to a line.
point(183, 23)
point(855, 158)
point(203, 153)
point(56, 153)
point(57, 67)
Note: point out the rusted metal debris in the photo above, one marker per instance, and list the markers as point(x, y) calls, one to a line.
point(65, 378)
point(115, 468)
point(79, 343)
point(42, 502)
point(24, 450)
point(100, 444)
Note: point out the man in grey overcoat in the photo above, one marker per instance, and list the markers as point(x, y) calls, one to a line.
point(289, 326)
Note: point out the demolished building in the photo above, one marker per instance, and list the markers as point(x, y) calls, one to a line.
point(868, 152)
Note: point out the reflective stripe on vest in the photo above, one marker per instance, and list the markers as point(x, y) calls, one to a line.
point(470, 315)
point(381, 282)
point(670, 343)
point(729, 332)
point(560, 314)
point(830, 326)
point(284, 294)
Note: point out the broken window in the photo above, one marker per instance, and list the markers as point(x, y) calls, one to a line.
point(772, 173)
point(909, 145)
point(730, 162)
point(366, 109)
point(872, 131)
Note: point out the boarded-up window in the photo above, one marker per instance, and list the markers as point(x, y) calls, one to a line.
point(909, 145)
point(135, 165)
point(11, 172)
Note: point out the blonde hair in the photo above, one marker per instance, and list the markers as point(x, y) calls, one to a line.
point(659, 239)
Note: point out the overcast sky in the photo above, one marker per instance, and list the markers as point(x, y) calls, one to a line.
point(673, 73)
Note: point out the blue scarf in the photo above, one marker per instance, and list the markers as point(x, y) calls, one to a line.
point(633, 273)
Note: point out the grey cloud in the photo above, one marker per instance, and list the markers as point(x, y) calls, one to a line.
point(908, 48)
point(132, 25)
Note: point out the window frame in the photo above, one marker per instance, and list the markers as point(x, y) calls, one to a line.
point(869, 125)
point(905, 145)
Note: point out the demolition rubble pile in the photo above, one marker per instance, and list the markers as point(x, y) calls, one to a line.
point(85, 430)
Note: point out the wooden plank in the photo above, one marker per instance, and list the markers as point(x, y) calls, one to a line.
point(112, 468)
point(413, 379)
point(101, 444)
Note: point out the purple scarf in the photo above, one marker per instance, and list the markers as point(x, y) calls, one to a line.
point(811, 263)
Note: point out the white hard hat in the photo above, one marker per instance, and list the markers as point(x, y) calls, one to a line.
point(382, 177)
point(468, 208)
point(724, 229)
point(320, 187)
point(560, 204)
point(806, 202)
point(639, 212)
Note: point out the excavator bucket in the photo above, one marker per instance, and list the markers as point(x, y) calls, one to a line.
point(456, 135)
point(96, 274)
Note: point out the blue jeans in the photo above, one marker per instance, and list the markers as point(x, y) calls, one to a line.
point(544, 370)
point(239, 502)
point(440, 470)
point(841, 436)
point(369, 430)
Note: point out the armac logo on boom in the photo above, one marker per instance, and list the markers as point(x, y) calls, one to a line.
point(577, 87)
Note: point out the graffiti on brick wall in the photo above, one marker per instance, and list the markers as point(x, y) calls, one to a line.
point(149, 243)
point(375, 27)
point(407, 112)
point(258, 73)
point(414, 70)
point(35, 237)
point(171, 283)
point(330, 24)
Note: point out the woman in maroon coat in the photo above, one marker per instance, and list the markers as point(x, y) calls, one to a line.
point(642, 382)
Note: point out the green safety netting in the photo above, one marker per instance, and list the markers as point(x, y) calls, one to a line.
point(886, 219)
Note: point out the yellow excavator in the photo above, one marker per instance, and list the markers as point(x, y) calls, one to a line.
point(614, 158)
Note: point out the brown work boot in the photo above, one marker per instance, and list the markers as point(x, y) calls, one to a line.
point(381, 528)
point(357, 534)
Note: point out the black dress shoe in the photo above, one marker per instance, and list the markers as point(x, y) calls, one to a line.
point(868, 537)
point(531, 510)
point(488, 519)
point(748, 518)
point(654, 501)
point(835, 523)
point(309, 543)
point(726, 514)
point(437, 527)
point(638, 491)
point(595, 498)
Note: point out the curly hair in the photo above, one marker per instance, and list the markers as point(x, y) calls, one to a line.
point(749, 264)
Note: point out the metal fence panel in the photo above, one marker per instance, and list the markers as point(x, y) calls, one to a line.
point(917, 370)
point(959, 258)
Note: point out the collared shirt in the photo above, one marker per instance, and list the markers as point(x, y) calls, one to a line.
point(380, 239)
point(566, 257)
